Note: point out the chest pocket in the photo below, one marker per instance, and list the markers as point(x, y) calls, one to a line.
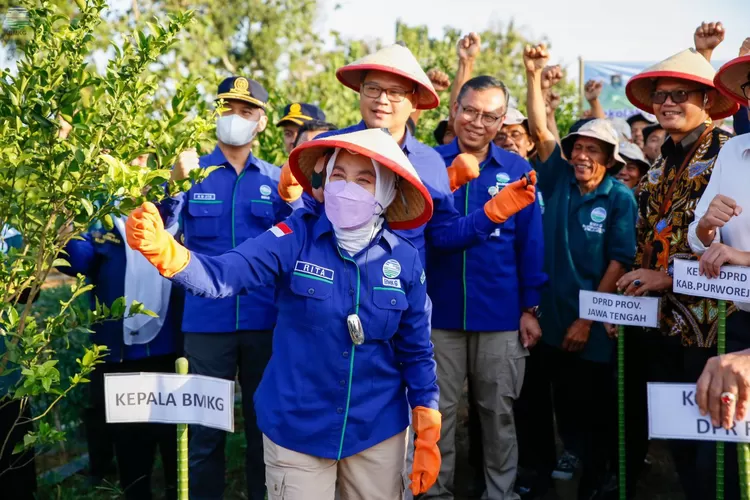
point(313, 298)
point(389, 304)
point(263, 211)
point(204, 219)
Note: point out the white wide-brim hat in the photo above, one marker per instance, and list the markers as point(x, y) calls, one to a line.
point(687, 65)
point(600, 129)
point(412, 206)
point(395, 59)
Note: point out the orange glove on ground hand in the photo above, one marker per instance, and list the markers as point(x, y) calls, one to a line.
point(145, 232)
point(465, 168)
point(424, 472)
point(511, 199)
point(289, 189)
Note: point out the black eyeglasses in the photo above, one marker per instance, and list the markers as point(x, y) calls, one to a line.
point(678, 96)
point(745, 88)
point(394, 95)
point(470, 114)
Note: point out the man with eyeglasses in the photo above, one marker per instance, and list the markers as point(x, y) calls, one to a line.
point(680, 92)
point(474, 334)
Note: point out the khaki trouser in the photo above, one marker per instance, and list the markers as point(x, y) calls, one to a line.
point(495, 363)
point(374, 474)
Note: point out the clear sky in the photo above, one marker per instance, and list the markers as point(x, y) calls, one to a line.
point(614, 30)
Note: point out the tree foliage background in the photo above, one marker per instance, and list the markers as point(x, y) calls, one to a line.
point(138, 77)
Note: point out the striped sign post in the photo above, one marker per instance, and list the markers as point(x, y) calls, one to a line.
point(181, 367)
point(722, 348)
point(621, 410)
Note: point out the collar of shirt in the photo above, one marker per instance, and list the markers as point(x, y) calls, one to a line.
point(671, 150)
point(452, 149)
point(216, 157)
point(602, 189)
point(409, 140)
point(324, 226)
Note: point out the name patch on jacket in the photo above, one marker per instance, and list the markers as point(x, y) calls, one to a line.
point(204, 196)
point(393, 283)
point(306, 268)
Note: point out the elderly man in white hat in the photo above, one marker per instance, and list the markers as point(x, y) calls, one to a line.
point(720, 234)
point(680, 92)
point(589, 242)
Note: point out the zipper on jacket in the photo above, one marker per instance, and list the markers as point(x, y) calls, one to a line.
point(351, 361)
point(234, 244)
point(463, 256)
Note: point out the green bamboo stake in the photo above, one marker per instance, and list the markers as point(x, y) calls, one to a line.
point(181, 367)
point(722, 347)
point(621, 409)
point(743, 457)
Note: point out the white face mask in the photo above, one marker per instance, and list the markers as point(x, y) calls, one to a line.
point(235, 130)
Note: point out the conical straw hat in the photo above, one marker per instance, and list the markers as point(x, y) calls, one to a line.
point(687, 65)
point(395, 59)
point(412, 206)
point(731, 76)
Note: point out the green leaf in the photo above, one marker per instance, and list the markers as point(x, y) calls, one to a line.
point(60, 262)
point(87, 205)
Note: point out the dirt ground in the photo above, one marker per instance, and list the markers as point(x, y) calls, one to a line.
point(659, 482)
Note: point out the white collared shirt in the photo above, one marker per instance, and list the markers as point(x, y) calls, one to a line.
point(730, 177)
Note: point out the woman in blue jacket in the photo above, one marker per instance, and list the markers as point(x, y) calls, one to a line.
point(352, 335)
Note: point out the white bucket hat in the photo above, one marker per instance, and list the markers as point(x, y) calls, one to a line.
point(633, 154)
point(600, 129)
point(687, 65)
point(412, 206)
point(514, 117)
point(731, 76)
point(395, 59)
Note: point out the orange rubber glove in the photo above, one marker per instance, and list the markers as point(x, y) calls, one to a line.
point(465, 168)
point(511, 199)
point(289, 189)
point(145, 232)
point(424, 471)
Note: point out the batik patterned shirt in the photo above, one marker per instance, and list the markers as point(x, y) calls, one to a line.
point(663, 238)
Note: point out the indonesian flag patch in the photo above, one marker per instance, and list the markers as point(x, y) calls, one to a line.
point(281, 229)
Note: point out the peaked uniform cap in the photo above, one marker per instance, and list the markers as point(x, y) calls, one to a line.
point(395, 59)
point(412, 206)
point(731, 76)
point(239, 88)
point(687, 65)
point(301, 112)
point(601, 129)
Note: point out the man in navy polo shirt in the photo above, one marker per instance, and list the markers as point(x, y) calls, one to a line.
point(238, 201)
point(476, 328)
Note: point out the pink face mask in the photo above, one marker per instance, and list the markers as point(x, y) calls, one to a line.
point(348, 205)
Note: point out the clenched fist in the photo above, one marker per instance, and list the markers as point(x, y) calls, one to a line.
point(468, 47)
point(440, 81)
point(535, 58)
point(745, 49)
point(187, 161)
point(720, 211)
point(592, 90)
point(551, 76)
point(708, 36)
